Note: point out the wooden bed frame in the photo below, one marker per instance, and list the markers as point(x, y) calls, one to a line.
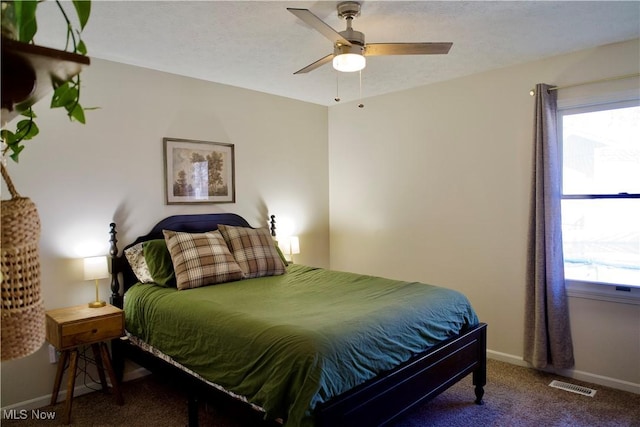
point(374, 403)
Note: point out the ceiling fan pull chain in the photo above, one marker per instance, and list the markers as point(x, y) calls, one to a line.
point(360, 105)
point(337, 98)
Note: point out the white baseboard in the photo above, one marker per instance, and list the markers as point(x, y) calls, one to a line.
point(570, 373)
point(508, 358)
point(45, 400)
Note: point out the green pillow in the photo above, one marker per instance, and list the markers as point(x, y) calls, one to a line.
point(158, 259)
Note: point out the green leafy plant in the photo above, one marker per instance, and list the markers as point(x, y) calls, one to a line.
point(19, 19)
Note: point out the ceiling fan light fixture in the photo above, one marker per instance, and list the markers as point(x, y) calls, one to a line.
point(349, 62)
point(349, 47)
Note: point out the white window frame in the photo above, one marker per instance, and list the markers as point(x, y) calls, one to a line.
point(594, 290)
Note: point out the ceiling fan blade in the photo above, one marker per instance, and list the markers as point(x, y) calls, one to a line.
point(316, 64)
point(319, 25)
point(378, 49)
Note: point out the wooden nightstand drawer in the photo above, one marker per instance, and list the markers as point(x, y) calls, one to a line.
point(90, 331)
point(73, 326)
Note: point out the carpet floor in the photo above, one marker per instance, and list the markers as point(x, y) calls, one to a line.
point(514, 397)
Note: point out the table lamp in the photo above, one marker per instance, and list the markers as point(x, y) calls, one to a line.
point(95, 268)
point(291, 246)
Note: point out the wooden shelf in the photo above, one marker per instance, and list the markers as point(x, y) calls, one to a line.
point(28, 73)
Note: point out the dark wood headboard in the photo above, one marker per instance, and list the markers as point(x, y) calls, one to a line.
point(118, 263)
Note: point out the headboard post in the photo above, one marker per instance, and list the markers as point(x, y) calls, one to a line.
point(273, 226)
point(116, 298)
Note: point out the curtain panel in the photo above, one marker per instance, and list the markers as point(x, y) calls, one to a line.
point(547, 331)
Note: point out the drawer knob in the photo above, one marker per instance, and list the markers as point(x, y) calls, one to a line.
point(93, 331)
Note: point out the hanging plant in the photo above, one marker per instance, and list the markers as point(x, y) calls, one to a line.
point(19, 23)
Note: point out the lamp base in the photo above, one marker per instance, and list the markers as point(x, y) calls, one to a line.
point(97, 304)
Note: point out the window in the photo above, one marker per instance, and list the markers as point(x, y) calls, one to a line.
point(601, 192)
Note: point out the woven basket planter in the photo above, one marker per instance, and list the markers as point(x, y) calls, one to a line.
point(23, 314)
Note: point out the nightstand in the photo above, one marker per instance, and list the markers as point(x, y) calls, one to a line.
point(72, 327)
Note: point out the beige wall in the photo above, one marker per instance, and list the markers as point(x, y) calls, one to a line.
point(83, 177)
point(432, 184)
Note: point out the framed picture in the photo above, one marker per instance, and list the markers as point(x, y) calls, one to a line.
point(198, 171)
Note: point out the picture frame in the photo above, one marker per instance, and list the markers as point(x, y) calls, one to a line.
point(198, 171)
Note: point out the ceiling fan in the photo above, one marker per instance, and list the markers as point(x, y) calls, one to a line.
point(349, 47)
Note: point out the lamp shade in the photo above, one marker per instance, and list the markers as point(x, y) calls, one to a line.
point(290, 246)
point(294, 244)
point(95, 268)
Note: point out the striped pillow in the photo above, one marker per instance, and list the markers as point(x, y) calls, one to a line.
point(201, 259)
point(254, 250)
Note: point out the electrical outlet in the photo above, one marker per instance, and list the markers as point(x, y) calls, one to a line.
point(53, 354)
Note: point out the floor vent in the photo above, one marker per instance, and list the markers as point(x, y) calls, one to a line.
point(585, 391)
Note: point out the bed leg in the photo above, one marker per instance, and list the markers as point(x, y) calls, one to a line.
point(480, 373)
point(193, 409)
point(479, 381)
point(479, 393)
point(117, 359)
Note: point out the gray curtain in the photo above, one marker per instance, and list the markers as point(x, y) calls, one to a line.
point(547, 332)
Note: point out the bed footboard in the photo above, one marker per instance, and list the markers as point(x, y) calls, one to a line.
point(382, 399)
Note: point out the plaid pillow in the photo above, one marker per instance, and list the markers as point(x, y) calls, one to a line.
point(254, 250)
point(201, 259)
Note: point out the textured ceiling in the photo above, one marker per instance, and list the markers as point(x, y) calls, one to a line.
point(259, 44)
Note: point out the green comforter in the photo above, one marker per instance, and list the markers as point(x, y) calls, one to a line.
point(289, 342)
